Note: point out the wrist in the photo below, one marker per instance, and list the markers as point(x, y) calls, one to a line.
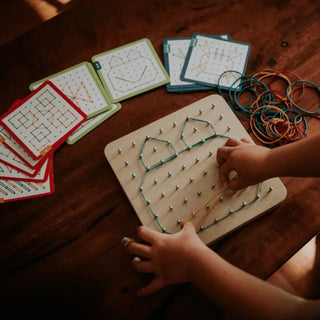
point(276, 163)
point(199, 261)
point(268, 165)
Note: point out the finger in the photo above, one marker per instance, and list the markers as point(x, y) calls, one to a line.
point(223, 154)
point(125, 241)
point(138, 249)
point(155, 285)
point(144, 266)
point(232, 142)
point(237, 184)
point(188, 227)
point(148, 234)
point(224, 171)
point(245, 140)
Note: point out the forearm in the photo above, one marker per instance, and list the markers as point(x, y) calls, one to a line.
point(299, 159)
point(244, 296)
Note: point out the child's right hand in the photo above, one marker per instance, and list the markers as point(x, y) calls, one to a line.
point(248, 160)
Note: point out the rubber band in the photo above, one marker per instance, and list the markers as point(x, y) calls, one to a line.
point(275, 116)
point(295, 104)
point(204, 205)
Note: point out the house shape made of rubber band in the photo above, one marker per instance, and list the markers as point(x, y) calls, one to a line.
point(169, 172)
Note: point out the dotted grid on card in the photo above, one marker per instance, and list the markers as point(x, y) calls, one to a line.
point(78, 84)
point(42, 120)
point(209, 57)
point(12, 190)
point(175, 52)
point(169, 172)
point(130, 70)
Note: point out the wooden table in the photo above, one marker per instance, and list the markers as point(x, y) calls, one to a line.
point(61, 255)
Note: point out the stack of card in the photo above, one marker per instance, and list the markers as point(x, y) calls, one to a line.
point(65, 107)
point(203, 62)
point(114, 76)
point(81, 84)
point(30, 131)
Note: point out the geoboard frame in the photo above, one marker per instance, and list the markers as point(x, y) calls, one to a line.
point(162, 70)
point(95, 79)
point(194, 43)
point(215, 122)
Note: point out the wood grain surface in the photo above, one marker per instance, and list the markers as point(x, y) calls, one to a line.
point(61, 255)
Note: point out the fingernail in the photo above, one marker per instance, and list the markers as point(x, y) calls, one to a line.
point(136, 259)
point(125, 241)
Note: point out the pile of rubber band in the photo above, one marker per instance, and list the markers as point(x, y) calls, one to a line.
point(275, 115)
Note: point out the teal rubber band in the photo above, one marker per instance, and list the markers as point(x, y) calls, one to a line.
point(296, 105)
point(175, 155)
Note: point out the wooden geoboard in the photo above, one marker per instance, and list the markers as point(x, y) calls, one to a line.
point(168, 170)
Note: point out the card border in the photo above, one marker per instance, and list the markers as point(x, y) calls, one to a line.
point(207, 83)
point(95, 77)
point(51, 190)
point(30, 178)
point(156, 57)
point(111, 112)
point(192, 87)
point(55, 145)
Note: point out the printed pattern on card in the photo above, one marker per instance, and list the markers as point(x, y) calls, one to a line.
point(92, 123)
point(130, 70)
point(176, 50)
point(43, 120)
point(11, 190)
point(7, 172)
point(15, 147)
point(81, 85)
point(209, 57)
point(11, 159)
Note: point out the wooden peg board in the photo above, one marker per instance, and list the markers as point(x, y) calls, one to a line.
point(182, 184)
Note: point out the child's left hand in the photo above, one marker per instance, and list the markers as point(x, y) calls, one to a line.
point(170, 257)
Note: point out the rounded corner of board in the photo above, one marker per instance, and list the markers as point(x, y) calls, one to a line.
point(106, 149)
point(284, 193)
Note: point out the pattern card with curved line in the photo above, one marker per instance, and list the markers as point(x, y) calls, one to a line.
point(130, 70)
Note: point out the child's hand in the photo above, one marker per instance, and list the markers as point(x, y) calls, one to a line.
point(169, 257)
point(248, 160)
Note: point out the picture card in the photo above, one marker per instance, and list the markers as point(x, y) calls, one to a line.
point(81, 85)
point(9, 173)
point(130, 70)
point(92, 123)
point(175, 52)
point(43, 121)
point(10, 159)
point(7, 140)
point(209, 57)
point(11, 190)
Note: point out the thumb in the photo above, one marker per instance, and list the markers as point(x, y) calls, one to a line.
point(188, 227)
point(236, 184)
point(155, 285)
